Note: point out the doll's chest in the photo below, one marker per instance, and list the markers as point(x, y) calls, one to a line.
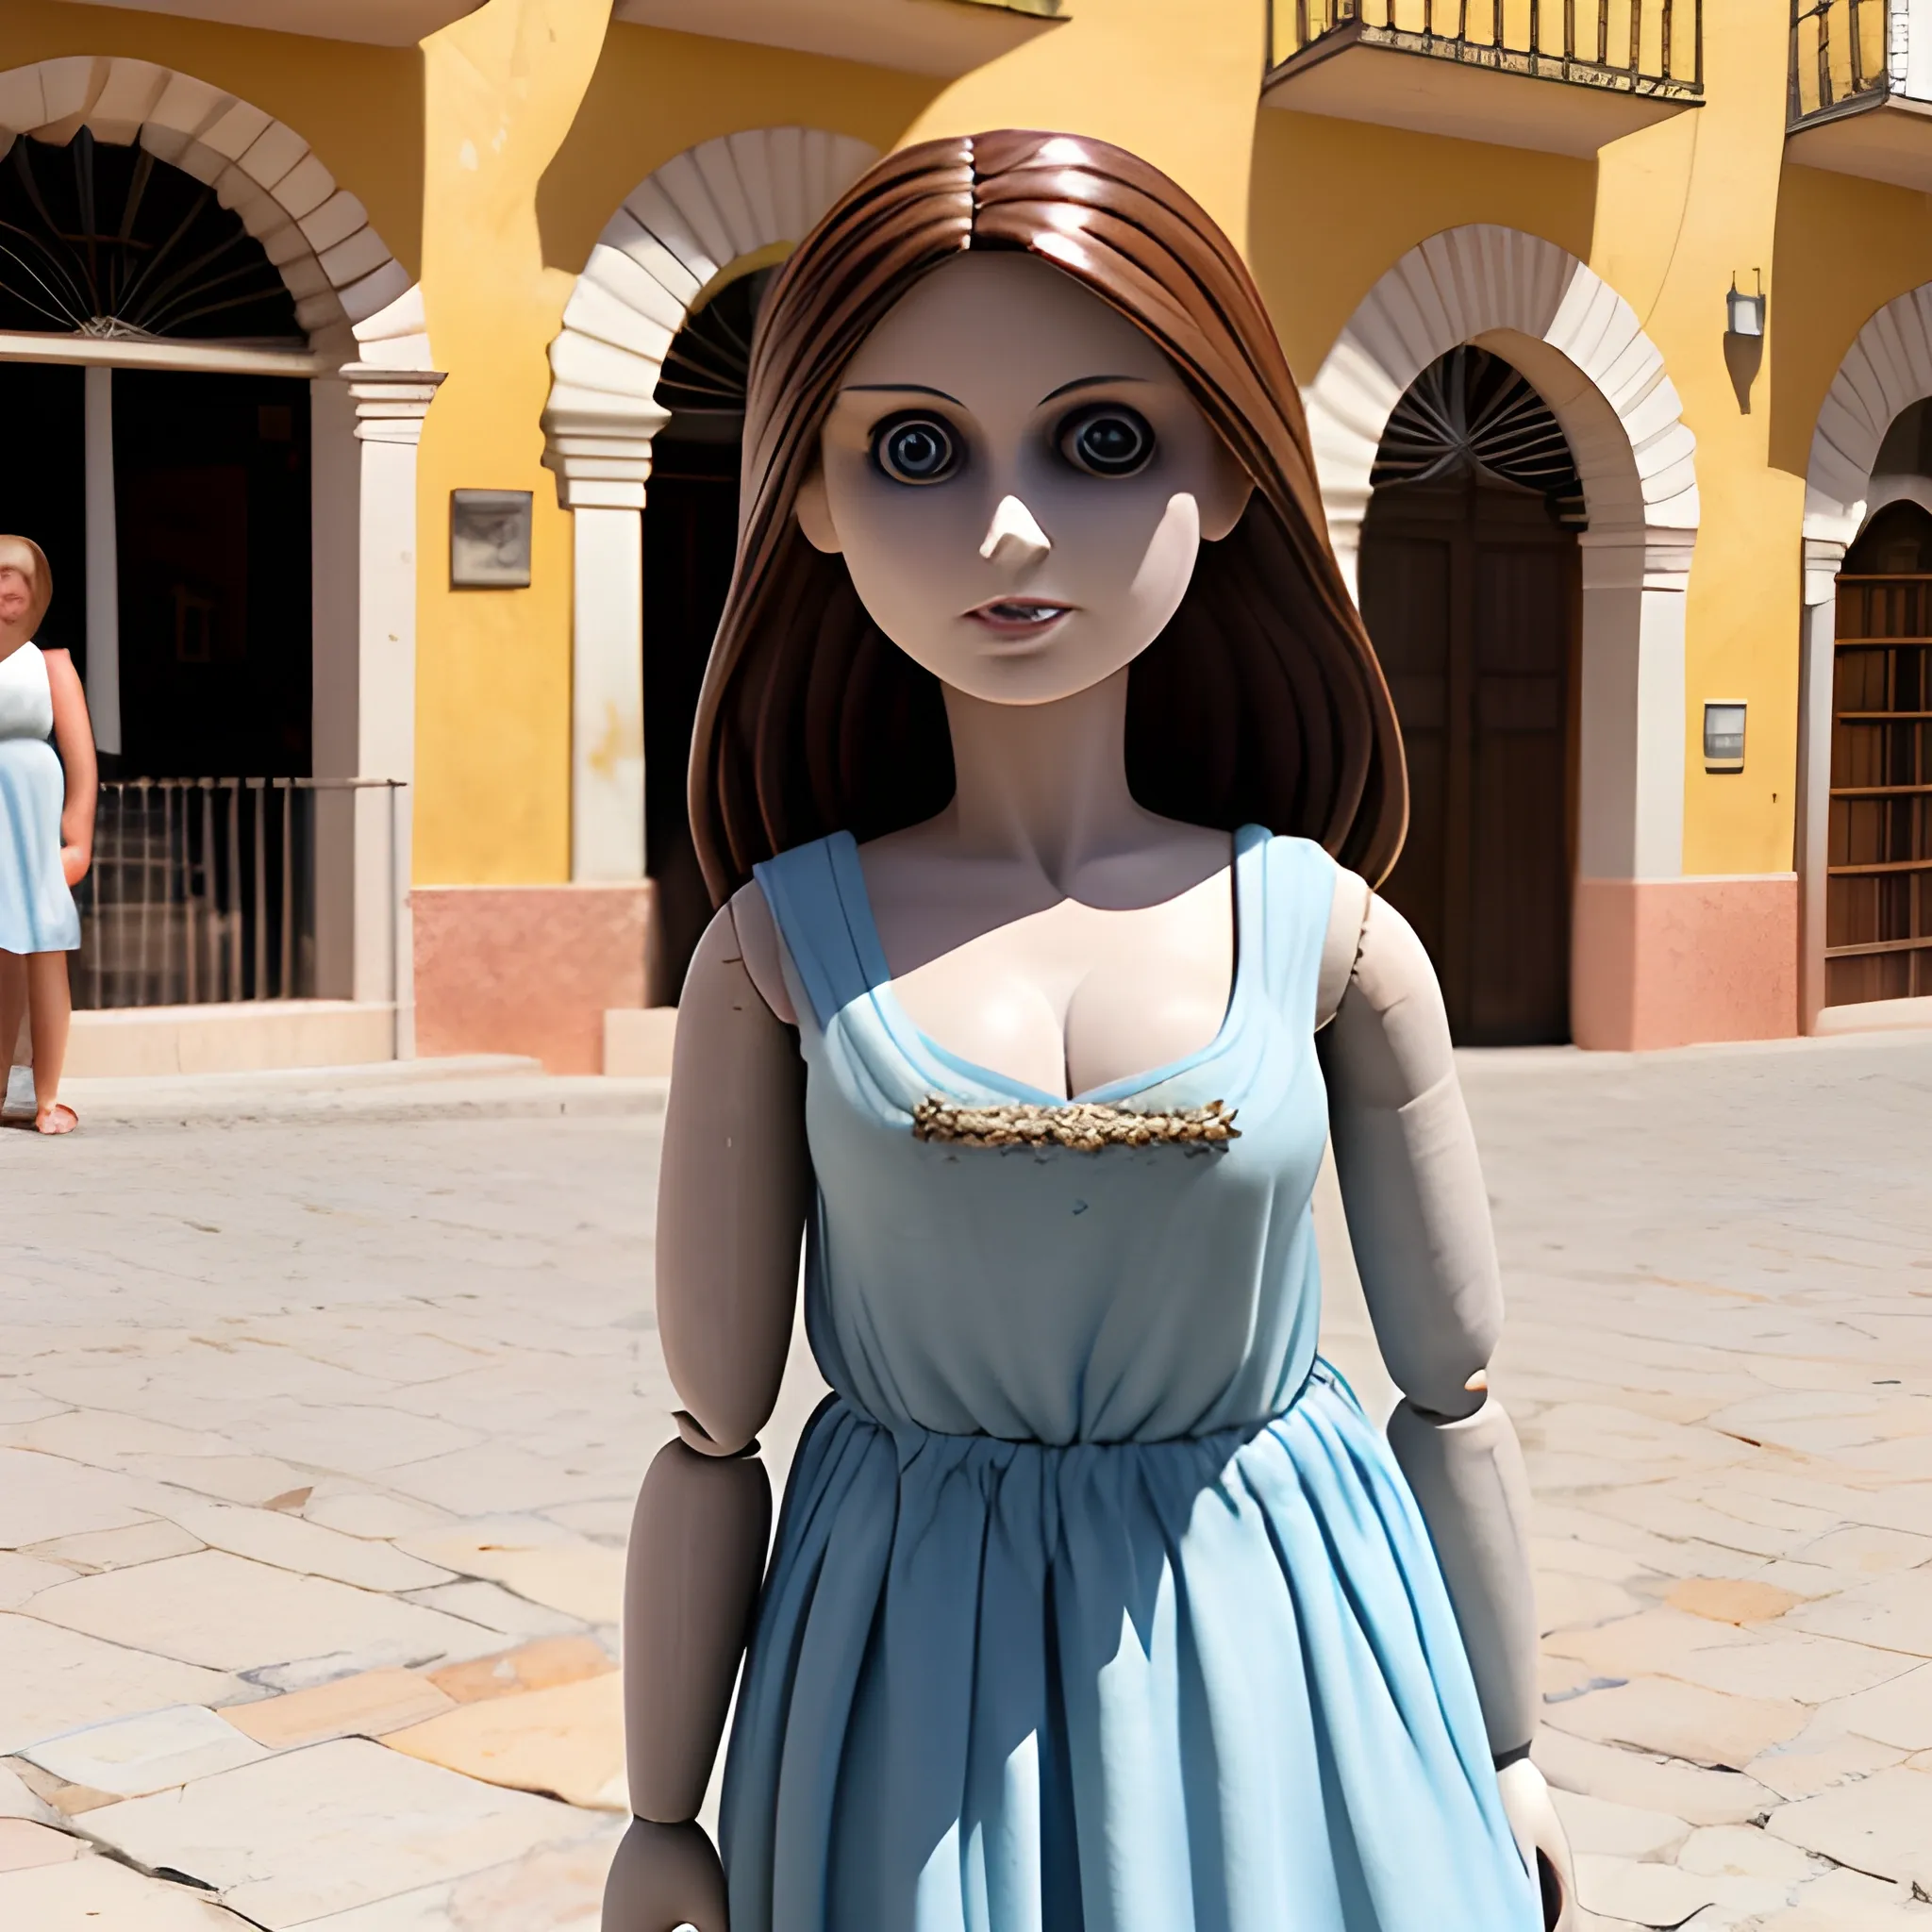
point(26, 704)
point(1074, 998)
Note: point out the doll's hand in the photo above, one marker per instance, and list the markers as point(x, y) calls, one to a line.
point(74, 860)
point(1540, 1838)
point(664, 1877)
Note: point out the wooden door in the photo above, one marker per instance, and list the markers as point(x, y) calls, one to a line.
point(1469, 592)
point(1878, 890)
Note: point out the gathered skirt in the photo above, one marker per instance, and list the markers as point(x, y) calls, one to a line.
point(36, 910)
point(1211, 1684)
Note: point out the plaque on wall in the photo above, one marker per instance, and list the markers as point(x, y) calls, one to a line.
point(489, 540)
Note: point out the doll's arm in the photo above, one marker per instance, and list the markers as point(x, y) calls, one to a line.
point(1419, 1221)
point(73, 737)
point(731, 1202)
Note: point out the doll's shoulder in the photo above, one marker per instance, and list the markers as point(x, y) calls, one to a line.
point(748, 913)
point(1348, 917)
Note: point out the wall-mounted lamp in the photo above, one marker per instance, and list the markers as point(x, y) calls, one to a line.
point(1744, 337)
point(1745, 311)
point(1724, 737)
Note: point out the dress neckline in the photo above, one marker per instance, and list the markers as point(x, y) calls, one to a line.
point(935, 1062)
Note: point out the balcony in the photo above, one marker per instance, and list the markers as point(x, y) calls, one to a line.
point(1862, 88)
point(381, 23)
point(1562, 76)
point(943, 37)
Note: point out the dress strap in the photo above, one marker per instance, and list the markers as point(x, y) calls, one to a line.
point(831, 942)
point(1296, 896)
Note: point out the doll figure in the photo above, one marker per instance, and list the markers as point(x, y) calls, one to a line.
point(1040, 766)
point(46, 825)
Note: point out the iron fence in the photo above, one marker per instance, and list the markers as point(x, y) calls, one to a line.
point(1845, 55)
point(204, 889)
point(1640, 46)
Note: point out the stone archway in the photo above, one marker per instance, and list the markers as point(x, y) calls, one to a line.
point(681, 231)
point(371, 382)
point(1583, 348)
point(1887, 369)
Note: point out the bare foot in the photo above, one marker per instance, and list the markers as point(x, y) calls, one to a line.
point(58, 1119)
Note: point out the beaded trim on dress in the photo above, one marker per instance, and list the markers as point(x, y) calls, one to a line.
point(1079, 1125)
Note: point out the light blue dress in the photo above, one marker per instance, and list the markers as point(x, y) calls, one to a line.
point(36, 910)
point(1098, 1606)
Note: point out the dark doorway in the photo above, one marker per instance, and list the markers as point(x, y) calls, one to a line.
point(1878, 890)
point(1470, 592)
point(691, 540)
point(43, 487)
point(211, 509)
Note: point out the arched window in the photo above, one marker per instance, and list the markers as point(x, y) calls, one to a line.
point(107, 241)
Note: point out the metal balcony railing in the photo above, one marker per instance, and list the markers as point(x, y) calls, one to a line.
point(1847, 55)
point(1636, 47)
point(202, 890)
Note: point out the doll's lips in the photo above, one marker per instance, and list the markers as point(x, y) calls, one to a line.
point(1020, 617)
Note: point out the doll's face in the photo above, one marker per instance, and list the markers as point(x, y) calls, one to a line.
point(1019, 481)
point(16, 595)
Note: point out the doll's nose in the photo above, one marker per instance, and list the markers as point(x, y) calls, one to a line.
point(1014, 538)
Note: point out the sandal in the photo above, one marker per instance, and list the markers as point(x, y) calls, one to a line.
point(48, 1120)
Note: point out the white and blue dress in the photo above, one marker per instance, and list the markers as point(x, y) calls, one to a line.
point(36, 910)
point(1097, 1605)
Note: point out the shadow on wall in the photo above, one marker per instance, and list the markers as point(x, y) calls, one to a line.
point(1336, 203)
point(654, 94)
point(1844, 248)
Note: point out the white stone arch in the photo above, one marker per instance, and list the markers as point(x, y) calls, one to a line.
point(372, 385)
point(678, 233)
point(337, 267)
point(1888, 369)
point(1583, 347)
point(1570, 333)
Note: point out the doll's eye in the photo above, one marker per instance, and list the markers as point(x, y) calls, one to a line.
point(1109, 439)
point(915, 449)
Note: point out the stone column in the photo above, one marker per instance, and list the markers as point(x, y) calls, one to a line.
point(390, 405)
point(599, 445)
point(1817, 671)
point(102, 564)
point(1630, 781)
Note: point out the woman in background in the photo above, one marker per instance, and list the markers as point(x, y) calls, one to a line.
point(46, 825)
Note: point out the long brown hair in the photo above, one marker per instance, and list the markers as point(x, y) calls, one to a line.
point(1260, 701)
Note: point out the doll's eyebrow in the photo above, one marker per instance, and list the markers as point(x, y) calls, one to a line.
point(1067, 389)
point(899, 388)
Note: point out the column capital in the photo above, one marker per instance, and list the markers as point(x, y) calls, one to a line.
point(391, 404)
point(1823, 558)
point(598, 445)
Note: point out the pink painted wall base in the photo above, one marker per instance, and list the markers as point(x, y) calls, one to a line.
point(529, 969)
point(1672, 962)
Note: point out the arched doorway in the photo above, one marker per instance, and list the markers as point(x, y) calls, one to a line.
point(209, 473)
point(690, 535)
point(1878, 869)
point(1471, 588)
point(670, 276)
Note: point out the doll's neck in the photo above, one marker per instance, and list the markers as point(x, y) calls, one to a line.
point(1045, 784)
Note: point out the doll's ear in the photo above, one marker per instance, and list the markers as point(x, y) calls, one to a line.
point(1227, 496)
point(814, 513)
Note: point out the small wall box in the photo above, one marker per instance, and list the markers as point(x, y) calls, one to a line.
point(1724, 737)
point(489, 540)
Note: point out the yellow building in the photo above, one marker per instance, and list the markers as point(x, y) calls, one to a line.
point(375, 369)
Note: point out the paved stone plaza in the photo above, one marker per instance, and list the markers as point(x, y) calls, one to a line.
point(321, 1417)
